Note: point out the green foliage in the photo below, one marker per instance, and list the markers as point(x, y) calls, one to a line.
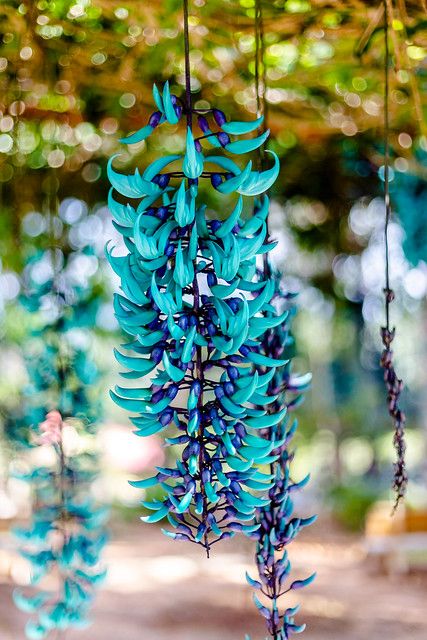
point(351, 501)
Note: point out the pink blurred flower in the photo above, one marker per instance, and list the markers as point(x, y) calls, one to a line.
point(51, 428)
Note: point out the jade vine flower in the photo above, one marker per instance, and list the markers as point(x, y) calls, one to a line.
point(278, 525)
point(187, 303)
point(66, 534)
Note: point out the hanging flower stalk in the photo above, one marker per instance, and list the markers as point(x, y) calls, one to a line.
point(66, 535)
point(394, 385)
point(186, 301)
point(278, 525)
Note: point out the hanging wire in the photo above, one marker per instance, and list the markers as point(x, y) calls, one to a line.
point(394, 385)
point(261, 99)
point(188, 104)
point(196, 290)
point(260, 76)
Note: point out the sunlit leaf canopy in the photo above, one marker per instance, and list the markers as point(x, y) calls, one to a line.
point(76, 75)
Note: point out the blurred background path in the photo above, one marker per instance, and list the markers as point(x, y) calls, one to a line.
point(158, 589)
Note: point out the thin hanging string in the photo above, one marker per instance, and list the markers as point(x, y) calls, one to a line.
point(261, 103)
point(188, 104)
point(394, 385)
point(264, 69)
point(260, 94)
point(260, 76)
point(388, 293)
point(196, 292)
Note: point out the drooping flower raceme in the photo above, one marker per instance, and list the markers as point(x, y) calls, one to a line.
point(187, 302)
point(66, 534)
point(65, 539)
point(278, 525)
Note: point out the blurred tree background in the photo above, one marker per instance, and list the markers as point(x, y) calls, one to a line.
point(76, 75)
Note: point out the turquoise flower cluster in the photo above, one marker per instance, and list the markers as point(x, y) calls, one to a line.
point(278, 525)
point(196, 312)
point(67, 533)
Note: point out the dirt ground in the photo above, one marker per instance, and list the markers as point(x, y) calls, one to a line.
point(159, 589)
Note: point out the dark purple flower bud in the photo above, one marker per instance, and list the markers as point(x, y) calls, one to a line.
point(192, 321)
point(166, 417)
point(196, 388)
point(216, 180)
point(178, 111)
point(219, 117)
point(172, 391)
point(244, 350)
point(183, 529)
point(219, 392)
point(212, 279)
point(164, 179)
point(233, 372)
point(211, 329)
point(225, 535)
point(170, 250)
point(194, 413)
point(236, 441)
point(194, 448)
point(254, 535)
point(236, 228)
point(182, 440)
point(199, 501)
point(204, 298)
point(215, 225)
point(174, 99)
point(150, 212)
point(235, 487)
point(161, 272)
point(239, 428)
point(193, 181)
point(162, 213)
point(203, 124)
point(155, 119)
point(157, 354)
point(234, 304)
point(159, 395)
point(190, 485)
point(229, 388)
point(206, 475)
point(228, 176)
point(198, 146)
point(223, 138)
point(183, 323)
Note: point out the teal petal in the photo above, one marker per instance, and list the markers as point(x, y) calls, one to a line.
point(193, 160)
point(158, 99)
point(238, 128)
point(138, 136)
point(245, 146)
point(170, 114)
